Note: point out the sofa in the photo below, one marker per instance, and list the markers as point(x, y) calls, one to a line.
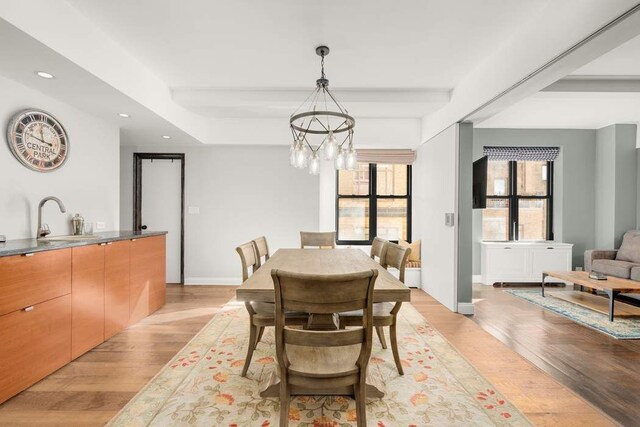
point(623, 262)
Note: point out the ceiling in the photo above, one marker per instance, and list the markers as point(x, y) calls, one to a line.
point(603, 92)
point(215, 72)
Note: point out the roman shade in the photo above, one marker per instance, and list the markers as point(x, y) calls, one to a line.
point(547, 154)
point(403, 157)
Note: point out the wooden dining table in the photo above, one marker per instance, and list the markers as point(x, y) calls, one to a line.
point(259, 286)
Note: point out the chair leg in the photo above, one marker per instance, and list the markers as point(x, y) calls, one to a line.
point(253, 333)
point(284, 404)
point(380, 332)
point(361, 403)
point(260, 332)
point(394, 347)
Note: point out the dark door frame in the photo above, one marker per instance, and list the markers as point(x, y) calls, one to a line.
point(137, 195)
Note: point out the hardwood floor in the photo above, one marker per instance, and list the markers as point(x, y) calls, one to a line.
point(603, 370)
point(91, 389)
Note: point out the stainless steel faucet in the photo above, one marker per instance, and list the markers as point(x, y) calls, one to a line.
point(43, 229)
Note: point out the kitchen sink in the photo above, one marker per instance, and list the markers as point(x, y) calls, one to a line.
point(71, 238)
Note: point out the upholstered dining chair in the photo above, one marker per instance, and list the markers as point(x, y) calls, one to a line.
point(262, 249)
point(318, 239)
point(386, 313)
point(261, 314)
point(323, 362)
point(378, 248)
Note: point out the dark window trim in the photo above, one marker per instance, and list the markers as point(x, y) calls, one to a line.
point(372, 197)
point(513, 198)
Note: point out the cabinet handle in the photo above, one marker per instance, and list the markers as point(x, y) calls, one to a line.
point(101, 244)
point(29, 254)
point(109, 243)
point(507, 247)
point(133, 240)
point(550, 248)
point(30, 308)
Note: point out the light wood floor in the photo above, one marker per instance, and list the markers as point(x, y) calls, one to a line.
point(90, 390)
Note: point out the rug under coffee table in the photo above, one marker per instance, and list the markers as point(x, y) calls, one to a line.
point(612, 286)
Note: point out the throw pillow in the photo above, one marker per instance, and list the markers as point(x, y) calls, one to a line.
point(415, 249)
point(630, 248)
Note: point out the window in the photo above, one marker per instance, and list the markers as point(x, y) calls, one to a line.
point(519, 200)
point(373, 201)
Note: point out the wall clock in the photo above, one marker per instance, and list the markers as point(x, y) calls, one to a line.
point(38, 140)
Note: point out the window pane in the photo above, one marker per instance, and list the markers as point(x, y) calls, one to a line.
point(532, 178)
point(391, 180)
point(532, 219)
point(495, 220)
point(392, 219)
point(353, 219)
point(498, 178)
point(354, 183)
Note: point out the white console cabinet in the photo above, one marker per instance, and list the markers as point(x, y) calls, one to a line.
point(504, 262)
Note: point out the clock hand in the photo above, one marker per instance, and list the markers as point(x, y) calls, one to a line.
point(41, 140)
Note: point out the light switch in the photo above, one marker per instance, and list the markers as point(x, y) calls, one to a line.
point(100, 225)
point(449, 220)
point(194, 210)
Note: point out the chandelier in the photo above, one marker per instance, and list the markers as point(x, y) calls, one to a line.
point(322, 126)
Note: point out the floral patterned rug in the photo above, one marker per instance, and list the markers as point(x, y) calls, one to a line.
point(621, 328)
point(202, 385)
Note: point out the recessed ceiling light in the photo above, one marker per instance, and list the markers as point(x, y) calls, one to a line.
point(125, 115)
point(44, 74)
point(166, 136)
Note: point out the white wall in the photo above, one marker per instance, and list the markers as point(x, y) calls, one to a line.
point(434, 194)
point(242, 192)
point(87, 183)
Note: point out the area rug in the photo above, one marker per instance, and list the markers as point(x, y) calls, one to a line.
point(202, 385)
point(621, 328)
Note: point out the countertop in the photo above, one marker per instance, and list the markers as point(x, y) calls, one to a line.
point(25, 246)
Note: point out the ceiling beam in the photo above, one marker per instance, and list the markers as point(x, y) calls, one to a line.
point(595, 84)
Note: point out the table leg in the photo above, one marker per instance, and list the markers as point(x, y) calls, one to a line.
point(544, 276)
point(323, 322)
point(612, 296)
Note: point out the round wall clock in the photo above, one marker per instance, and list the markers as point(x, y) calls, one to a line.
point(38, 140)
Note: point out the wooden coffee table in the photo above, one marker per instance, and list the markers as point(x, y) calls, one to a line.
point(612, 286)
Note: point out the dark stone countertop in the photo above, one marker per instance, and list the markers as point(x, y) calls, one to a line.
point(25, 246)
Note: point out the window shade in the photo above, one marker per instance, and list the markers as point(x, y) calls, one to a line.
point(548, 154)
point(403, 157)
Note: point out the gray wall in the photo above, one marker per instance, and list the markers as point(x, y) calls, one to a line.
point(574, 182)
point(242, 192)
point(605, 181)
point(87, 183)
point(626, 187)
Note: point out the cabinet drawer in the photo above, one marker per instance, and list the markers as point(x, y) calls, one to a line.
point(29, 280)
point(35, 342)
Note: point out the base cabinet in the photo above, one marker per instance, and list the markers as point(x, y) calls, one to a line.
point(57, 305)
point(36, 341)
point(523, 262)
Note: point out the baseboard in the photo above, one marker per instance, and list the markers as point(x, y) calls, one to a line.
point(212, 281)
point(465, 308)
point(476, 278)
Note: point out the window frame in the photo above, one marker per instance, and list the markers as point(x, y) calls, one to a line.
point(514, 202)
point(373, 198)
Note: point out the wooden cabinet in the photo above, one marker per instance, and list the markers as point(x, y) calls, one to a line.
point(35, 342)
point(33, 278)
point(148, 277)
point(116, 287)
point(87, 298)
point(56, 305)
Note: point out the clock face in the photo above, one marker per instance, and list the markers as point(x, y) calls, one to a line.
point(38, 140)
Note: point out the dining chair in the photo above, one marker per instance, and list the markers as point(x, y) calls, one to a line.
point(378, 248)
point(323, 362)
point(385, 313)
point(262, 249)
point(318, 239)
point(261, 314)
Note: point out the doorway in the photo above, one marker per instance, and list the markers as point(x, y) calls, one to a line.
point(158, 203)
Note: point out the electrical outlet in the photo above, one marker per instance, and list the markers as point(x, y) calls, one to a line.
point(100, 225)
point(194, 210)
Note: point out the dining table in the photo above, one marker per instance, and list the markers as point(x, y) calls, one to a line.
point(259, 286)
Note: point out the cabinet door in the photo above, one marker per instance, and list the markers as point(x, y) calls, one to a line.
point(508, 263)
point(35, 342)
point(148, 272)
point(87, 298)
point(549, 259)
point(116, 287)
point(29, 280)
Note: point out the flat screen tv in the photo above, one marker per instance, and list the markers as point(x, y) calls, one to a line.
point(480, 183)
